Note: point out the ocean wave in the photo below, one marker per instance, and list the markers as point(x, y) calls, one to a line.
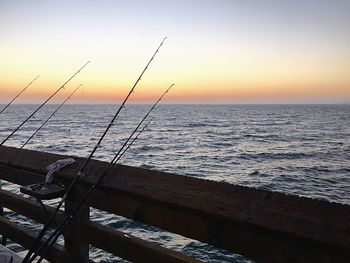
point(266, 156)
point(299, 150)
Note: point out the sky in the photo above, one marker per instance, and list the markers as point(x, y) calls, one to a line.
point(216, 51)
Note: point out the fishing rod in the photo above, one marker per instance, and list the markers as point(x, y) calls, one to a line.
point(31, 137)
point(30, 83)
point(85, 198)
point(3, 241)
point(43, 124)
point(121, 106)
point(42, 105)
point(50, 241)
point(136, 137)
point(81, 171)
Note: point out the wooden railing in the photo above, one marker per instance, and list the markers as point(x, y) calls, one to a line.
point(262, 225)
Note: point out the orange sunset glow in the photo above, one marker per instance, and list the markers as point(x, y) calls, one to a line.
point(216, 51)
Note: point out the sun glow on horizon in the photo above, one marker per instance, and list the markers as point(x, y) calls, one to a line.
point(216, 51)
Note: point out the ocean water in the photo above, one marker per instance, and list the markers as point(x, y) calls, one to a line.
point(295, 149)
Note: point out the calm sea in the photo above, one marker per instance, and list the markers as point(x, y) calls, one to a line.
point(296, 149)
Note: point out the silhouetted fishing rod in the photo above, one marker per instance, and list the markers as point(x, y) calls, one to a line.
point(50, 241)
point(3, 241)
point(72, 216)
point(81, 171)
point(30, 83)
point(31, 137)
point(121, 106)
point(120, 153)
point(43, 124)
point(135, 138)
point(31, 115)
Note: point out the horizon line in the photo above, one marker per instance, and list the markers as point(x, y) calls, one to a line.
point(194, 103)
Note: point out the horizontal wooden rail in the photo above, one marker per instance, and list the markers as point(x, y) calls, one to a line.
point(117, 242)
point(259, 224)
point(26, 238)
point(130, 248)
point(247, 239)
point(19, 176)
point(27, 207)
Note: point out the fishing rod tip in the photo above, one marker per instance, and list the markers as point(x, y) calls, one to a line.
point(170, 87)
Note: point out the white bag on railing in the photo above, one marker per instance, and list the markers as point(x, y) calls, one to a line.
point(56, 167)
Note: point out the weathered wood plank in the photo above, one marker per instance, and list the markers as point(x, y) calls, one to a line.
point(212, 212)
point(110, 240)
point(26, 238)
point(130, 248)
point(19, 176)
point(27, 207)
point(246, 239)
point(74, 240)
point(241, 203)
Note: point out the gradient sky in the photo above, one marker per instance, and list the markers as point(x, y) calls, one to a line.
point(216, 52)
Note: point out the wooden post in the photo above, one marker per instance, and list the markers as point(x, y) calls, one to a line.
point(74, 239)
point(3, 238)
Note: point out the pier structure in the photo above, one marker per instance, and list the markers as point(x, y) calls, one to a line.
point(258, 224)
